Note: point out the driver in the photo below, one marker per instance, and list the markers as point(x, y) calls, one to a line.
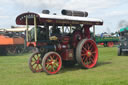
point(55, 31)
point(42, 33)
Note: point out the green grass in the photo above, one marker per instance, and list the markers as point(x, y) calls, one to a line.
point(110, 70)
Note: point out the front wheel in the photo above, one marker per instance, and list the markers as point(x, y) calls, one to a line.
point(87, 53)
point(35, 62)
point(51, 63)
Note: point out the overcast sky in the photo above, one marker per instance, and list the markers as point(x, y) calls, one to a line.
point(111, 11)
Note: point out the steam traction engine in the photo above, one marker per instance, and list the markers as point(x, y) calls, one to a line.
point(60, 40)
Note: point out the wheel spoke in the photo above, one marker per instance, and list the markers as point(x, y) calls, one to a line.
point(34, 58)
point(36, 66)
point(82, 51)
point(93, 56)
point(93, 52)
point(38, 57)
point(33, 67)
point(51, 58)
point(90, 45)
point(55, 65)
point(56, 60)
point(53, 68)
point(84, 48)
point(84, 54)
point(84, 59)
point(47, 63)
point(47, 67)
point(33, 64)
point(91, 49)
point(40, 66)
point(91, 60)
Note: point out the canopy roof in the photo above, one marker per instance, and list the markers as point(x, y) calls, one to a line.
point(124, 29)
point(58, 19)
point(20, 29)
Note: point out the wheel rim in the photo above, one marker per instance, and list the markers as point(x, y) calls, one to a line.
point(53, 63)
point(35, 63)
point(110, 44)
point(12, 49)
point(89, 54)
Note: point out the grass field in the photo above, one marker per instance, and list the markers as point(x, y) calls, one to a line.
point(110, 70)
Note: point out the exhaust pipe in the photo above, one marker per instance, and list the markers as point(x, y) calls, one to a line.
point(74, 13)
point(46, 12)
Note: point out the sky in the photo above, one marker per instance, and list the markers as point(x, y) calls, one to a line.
point(114, 13)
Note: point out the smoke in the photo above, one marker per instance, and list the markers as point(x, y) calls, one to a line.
point(122, 24)
point(108, 30)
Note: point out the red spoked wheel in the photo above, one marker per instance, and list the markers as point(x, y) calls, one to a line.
point(110, 44)
point(51, 62)
point(35, 62)
point(87, 53)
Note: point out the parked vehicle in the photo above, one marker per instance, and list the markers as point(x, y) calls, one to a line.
point(107, 40)
point(123, 38)
point(11, 41)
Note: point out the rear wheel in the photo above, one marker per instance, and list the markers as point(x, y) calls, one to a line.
point(87, 53)
point(51, 63)
point(35, 62)
point(15, 49)
point(110, 44)
point(11, 49)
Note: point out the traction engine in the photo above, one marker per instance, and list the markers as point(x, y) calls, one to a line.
point(60, 40)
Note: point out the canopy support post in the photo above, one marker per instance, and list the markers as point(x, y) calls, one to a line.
point(63, 28)
point(27, 28)
point(94, 31)
point(70, 28)
point(35, 24)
